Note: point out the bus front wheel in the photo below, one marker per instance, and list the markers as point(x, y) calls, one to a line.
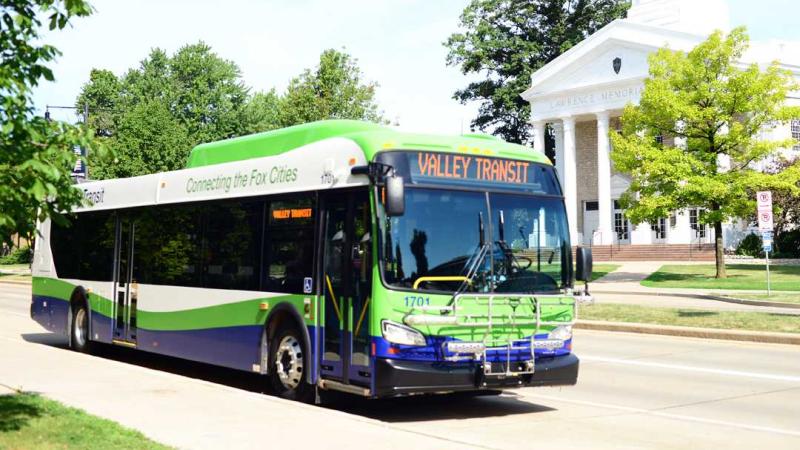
point(79, 339)
point(287, 366)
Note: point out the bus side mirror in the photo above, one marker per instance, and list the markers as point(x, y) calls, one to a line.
point(395, 196)
point(583, 264)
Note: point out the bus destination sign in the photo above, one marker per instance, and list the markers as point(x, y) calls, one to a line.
point(470, 167)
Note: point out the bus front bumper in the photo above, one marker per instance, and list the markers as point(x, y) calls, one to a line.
point(398, 377)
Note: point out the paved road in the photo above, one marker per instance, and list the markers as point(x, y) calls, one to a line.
point(635, 391)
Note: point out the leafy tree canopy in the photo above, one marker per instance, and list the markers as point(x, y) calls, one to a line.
point(705, 98)
point(154, 114)
point(332, 90)
point(36, 156)
point(505, 41)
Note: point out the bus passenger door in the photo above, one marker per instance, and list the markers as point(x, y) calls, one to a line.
point(125, 288)
point(347, 264)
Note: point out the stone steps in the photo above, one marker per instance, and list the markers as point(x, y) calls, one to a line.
point(654, 252)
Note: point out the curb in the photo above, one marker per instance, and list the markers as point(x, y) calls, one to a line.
point(705, 297)
point(705, 333)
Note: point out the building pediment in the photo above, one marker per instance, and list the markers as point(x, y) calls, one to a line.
point(613, 63)
point(602, 72)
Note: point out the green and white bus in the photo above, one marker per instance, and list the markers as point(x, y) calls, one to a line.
point(336, 255)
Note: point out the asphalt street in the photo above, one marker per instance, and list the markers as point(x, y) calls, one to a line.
point(634, 391)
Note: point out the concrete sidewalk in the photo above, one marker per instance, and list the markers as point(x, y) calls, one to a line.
point(180, 411)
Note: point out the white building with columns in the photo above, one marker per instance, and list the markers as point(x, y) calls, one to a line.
point(581, 95)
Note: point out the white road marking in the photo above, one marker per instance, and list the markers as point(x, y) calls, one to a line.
point(733, 373)
point(630, 409)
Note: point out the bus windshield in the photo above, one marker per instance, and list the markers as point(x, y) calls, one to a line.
point(436, 244)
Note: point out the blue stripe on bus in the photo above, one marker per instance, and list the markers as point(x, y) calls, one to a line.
point(239, 347)
point(51, 313)
point(434, 351)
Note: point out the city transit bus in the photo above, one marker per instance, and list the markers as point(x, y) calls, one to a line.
point(335, 255)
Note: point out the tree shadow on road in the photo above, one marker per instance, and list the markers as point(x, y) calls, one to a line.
point(16, 410)
point(424, 408)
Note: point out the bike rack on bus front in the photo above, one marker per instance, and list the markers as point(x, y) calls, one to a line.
point(451, 315)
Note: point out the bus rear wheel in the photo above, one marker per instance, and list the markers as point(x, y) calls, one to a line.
point(287, 366)
point(79, 339)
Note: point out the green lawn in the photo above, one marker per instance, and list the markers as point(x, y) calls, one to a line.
point(740, 276)
point(29, 421)
point(14, 267)
point(783, 297)
point(601, 270)
point(728, 320)
point(15, 277)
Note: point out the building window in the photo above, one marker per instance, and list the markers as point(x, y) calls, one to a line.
point(796, 133)
point(592, 206)
point(620, 226)
point(695, 214)
point(659, 139)
point(660, 228)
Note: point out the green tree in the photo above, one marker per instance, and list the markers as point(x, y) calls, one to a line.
point(332, 90)
point(36, 156)
point(719, 110)
point(154, 114)
point(505, 41)
point(262, 112)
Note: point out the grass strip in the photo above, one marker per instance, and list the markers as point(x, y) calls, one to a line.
point(724, 320)
point(740, 276)
point(29, 421)
point(782, 297)
point(15, 277)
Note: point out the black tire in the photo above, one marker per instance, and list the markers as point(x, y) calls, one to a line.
point(80, 341)
point(287, 365)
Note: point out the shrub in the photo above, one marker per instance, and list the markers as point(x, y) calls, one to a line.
point(22, 255)
point(750, 246)
point(788, 244)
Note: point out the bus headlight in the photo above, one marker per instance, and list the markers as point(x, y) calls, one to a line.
point(561, 333)
point(401, 334)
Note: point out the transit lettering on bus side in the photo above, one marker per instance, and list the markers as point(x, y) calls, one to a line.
point(95, 196)
point(472, 167)
point(294, 213)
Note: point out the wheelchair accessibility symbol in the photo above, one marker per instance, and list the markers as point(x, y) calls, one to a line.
point(307, 285)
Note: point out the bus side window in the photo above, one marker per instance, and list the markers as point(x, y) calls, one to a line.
point(289, 249)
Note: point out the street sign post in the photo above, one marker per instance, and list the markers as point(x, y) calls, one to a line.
point(765, 225)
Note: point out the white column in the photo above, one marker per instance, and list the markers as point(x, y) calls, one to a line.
point(538, 135)
point(570, 178)
point(604, 236)
point(558, 134)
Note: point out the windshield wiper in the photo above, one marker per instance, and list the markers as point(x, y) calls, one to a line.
point(475, 260)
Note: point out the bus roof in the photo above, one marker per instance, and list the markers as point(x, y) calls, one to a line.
point(370, 137)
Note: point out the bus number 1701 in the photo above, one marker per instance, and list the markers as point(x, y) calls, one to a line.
point(414, 300)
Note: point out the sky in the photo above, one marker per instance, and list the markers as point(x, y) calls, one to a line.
point(398, 44)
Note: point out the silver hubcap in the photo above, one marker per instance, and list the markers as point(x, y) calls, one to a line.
point(289, 362)
point(80, 327)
